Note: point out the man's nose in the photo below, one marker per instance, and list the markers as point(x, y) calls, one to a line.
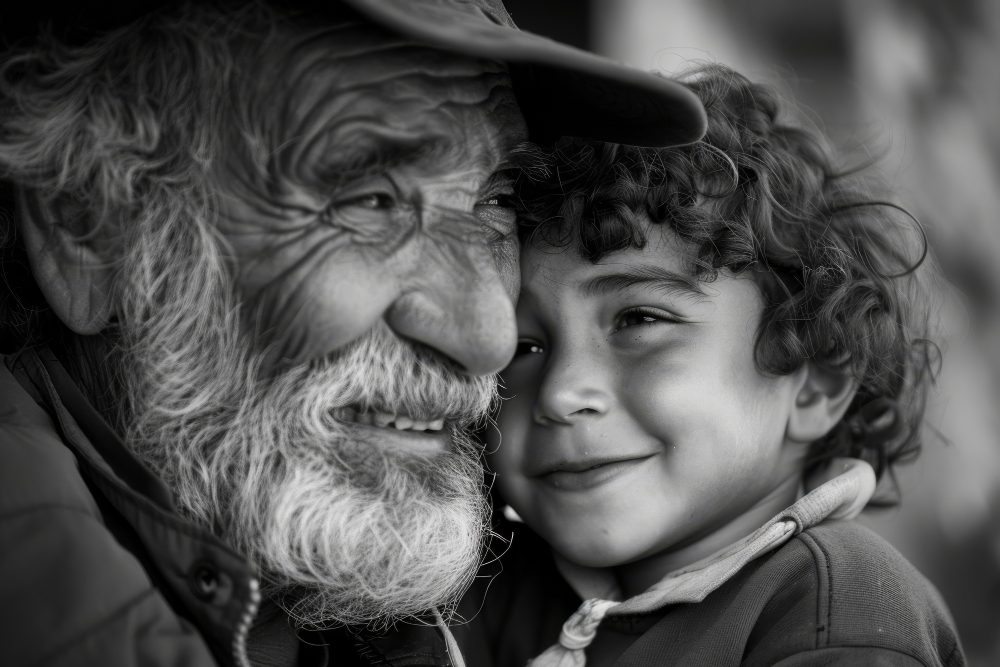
point(572, 389)
point(465, 315)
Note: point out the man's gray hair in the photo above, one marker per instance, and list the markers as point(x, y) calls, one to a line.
point(125, 134)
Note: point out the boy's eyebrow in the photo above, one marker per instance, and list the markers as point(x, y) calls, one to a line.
point(651, 276)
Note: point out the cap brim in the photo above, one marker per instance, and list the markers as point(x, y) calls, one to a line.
point(562, 91)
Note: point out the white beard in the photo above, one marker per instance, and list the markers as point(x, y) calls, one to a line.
point(343, 531)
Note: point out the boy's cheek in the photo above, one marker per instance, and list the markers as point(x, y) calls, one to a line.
point(630, 519)
point(508, 441)
point(515, 417)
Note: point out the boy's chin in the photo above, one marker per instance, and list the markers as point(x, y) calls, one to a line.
point(598, 535)
point(598, 551)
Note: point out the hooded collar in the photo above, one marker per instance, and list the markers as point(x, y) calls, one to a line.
point(849, 486)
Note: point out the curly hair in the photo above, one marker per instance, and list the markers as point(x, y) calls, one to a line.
point(762, 196)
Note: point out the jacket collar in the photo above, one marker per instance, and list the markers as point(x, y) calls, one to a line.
point(184, 554)
point(216, 586)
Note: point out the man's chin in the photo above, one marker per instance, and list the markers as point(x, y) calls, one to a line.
point(391, 527)
point(370, 558)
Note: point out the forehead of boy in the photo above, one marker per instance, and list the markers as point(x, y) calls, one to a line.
point(620, 276)
point(661, 262)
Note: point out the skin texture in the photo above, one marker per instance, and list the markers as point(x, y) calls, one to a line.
point(637, 431)
point(355, 207)
point(385, 200)
point(378, 194)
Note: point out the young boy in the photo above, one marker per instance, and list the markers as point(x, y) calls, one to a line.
point(720, 352)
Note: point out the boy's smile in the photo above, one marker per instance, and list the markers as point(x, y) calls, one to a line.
point(588, 472)
point(636, 422)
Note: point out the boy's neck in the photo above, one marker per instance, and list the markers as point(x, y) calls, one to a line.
point(635, 578)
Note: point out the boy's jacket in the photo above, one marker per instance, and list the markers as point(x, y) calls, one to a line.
point(97, 568)
point(834, 594)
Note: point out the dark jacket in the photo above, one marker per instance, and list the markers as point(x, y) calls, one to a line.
point(97, 568)
point(836, 594)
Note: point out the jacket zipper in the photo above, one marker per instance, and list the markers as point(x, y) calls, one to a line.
point(240, 658)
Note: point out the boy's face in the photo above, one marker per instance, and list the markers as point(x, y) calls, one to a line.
point(636, 420)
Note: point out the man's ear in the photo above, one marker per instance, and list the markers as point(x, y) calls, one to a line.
point(68, 259)
point(821, 401)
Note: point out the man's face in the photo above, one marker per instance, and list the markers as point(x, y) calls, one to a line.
point(386, 199)
point(323, 431)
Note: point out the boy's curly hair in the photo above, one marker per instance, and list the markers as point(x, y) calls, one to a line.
point(763, 197)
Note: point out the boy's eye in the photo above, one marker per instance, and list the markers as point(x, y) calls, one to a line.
point(528, 346)
point(639, 317)
point(632, 319)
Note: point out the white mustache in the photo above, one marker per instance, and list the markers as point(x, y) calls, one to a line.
point(384, 379)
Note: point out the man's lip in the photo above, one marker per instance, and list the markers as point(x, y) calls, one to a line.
point(421, 442)
point(401, 422)
point(580, 475)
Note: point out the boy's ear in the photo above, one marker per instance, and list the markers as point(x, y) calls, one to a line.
point(821, 401)
point(67, 257)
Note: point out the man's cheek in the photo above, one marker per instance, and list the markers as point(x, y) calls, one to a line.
point(310, 314)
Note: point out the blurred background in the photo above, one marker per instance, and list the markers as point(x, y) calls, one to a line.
point(916, 84)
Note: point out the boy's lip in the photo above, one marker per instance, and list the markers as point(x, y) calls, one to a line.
point(579, 475)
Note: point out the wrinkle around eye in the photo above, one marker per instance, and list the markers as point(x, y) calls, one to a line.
point(465, 227)
point(500, 219)
point(275, 263)
point(389, 226)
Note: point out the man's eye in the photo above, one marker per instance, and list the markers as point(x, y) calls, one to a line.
point(370, 202)
point(499, 218)
point(527, 346)
point(502, 200)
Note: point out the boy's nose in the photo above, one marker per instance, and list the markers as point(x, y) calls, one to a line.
point(566, 400)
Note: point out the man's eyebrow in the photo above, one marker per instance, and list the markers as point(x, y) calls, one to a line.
point(376, 155)
point(644, 276)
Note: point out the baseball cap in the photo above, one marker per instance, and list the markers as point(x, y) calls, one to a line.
point(562, 90)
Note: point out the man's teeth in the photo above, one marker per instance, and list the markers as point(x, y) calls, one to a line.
point(384, 419)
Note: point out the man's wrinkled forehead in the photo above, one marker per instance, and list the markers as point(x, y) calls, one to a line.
point(358, 94)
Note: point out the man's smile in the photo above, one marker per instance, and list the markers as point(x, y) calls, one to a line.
point(397, 431)
point(386, 420)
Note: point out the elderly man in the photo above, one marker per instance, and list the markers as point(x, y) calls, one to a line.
point(272, 263)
